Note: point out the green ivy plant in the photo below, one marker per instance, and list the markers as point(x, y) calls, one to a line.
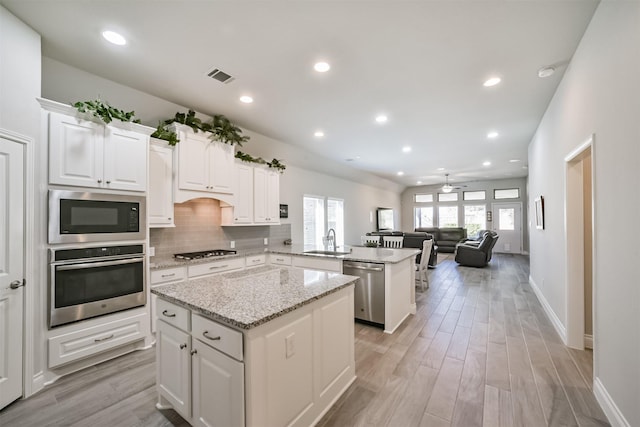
point(220, 127)
point(163, 132)
point(274, 164)
point(105, 112)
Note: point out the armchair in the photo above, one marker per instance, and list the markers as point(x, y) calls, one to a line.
point(476, 255)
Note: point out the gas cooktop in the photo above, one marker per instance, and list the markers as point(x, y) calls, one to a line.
point(204, 254)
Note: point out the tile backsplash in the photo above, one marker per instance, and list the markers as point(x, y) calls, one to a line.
point(198, 228)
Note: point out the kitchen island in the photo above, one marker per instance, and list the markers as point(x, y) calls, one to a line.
point(399, 275)
point(263, 346)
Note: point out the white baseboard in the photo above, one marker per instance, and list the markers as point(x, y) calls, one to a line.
point(555, 321)
point(611, 410)
point(588, 341)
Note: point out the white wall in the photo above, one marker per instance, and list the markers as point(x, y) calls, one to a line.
point(599, 94)
point(19, 76)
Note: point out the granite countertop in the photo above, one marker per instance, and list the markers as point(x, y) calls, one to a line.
point(356, 253)
point(248, 298)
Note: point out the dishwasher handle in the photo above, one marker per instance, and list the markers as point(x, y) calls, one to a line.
point(360, 267)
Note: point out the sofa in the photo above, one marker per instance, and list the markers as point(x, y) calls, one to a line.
point(446, 237)
point(474, 253)
point(412, 240)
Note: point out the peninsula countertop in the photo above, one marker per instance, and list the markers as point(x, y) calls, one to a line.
point(355, 253)
point(248, 298)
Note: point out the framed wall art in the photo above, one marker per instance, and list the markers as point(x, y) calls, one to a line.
point(539, 212)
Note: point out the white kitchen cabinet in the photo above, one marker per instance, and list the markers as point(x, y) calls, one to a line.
point(266, 193)
point(206, 168)
point(164, 277)
point(278, 259)
point(242, 211)
point(255, 260)
point(173, 380)
point(215, 267)
point(87, 153)
point(218, 388)
point(202, 383)
point(66, 347)
point(257, 197)
point(160, 196)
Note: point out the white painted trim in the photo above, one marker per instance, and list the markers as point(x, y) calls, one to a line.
point(30, 262)
point(611, 410)
point(574, 244)
point(551, 315)
point(588, 341)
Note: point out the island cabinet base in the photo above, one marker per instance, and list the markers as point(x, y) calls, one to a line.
point(298, 365)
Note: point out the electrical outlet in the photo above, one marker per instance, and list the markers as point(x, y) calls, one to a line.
point(152, 251)
point(232, 244)
point(290, 345)
point(266, 240)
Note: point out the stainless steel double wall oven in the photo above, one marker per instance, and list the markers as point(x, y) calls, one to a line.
point(97, 260)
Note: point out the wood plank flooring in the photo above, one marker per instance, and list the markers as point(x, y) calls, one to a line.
point(479, 352)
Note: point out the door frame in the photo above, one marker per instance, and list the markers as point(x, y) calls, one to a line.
point(31, 262)
point(574, 246)
point(493, 205)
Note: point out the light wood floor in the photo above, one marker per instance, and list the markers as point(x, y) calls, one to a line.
point(479, 352)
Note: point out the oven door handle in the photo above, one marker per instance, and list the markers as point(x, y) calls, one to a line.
point(98, 264)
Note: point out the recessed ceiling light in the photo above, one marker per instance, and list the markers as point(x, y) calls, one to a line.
point(492, 81)
point(318, 134)
point(322, 67)
point(546, 72)
point(246, 99)
point(514, 160)
point(115, 38)
point(418, 182)
point(487, 163)
point(440, 169)
point(492, 135)
point(381, 118)
point(406, 149)
point(400, 173)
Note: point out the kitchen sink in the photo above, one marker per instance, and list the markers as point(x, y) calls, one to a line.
point(326, 253)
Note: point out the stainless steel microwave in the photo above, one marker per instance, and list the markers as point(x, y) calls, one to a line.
point(77, 217)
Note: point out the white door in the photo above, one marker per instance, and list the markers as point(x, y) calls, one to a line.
point(11, 269)
point(193, 163)
point(243, 209)
point(507, 222)
point(222, 164)
point(160, 195)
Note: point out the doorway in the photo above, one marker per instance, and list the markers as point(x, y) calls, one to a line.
point(580, 248)
point(12, 271)
point(507, 222)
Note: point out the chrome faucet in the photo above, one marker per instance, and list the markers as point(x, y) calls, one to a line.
point(331, 239)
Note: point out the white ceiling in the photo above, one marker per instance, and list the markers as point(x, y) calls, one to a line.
point(420, 62)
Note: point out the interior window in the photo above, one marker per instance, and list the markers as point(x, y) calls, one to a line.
point(319, 215)
point(448, 216)
point(507, 193)
point(475, 217)
point(423, 217)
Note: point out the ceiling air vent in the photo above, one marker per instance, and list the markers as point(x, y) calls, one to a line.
point(220, 76)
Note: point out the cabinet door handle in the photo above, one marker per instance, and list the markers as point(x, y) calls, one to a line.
point(168, 275)
point(206, 335)
point(169, 219)
point(194, 351)
point(103, 339)
point(166, 313)
point(183, 346)
point(99, 181)
point(218, 266)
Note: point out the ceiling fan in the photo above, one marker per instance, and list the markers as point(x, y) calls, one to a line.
point(447, 188)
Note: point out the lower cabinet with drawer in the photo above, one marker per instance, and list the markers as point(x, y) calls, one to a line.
point(285, 372)
point(196, 373)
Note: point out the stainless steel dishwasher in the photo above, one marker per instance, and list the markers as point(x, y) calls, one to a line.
point(369, 290)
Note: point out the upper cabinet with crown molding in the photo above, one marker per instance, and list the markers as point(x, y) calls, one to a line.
point(257, 200)
point(205, 167)
point(85, 152)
